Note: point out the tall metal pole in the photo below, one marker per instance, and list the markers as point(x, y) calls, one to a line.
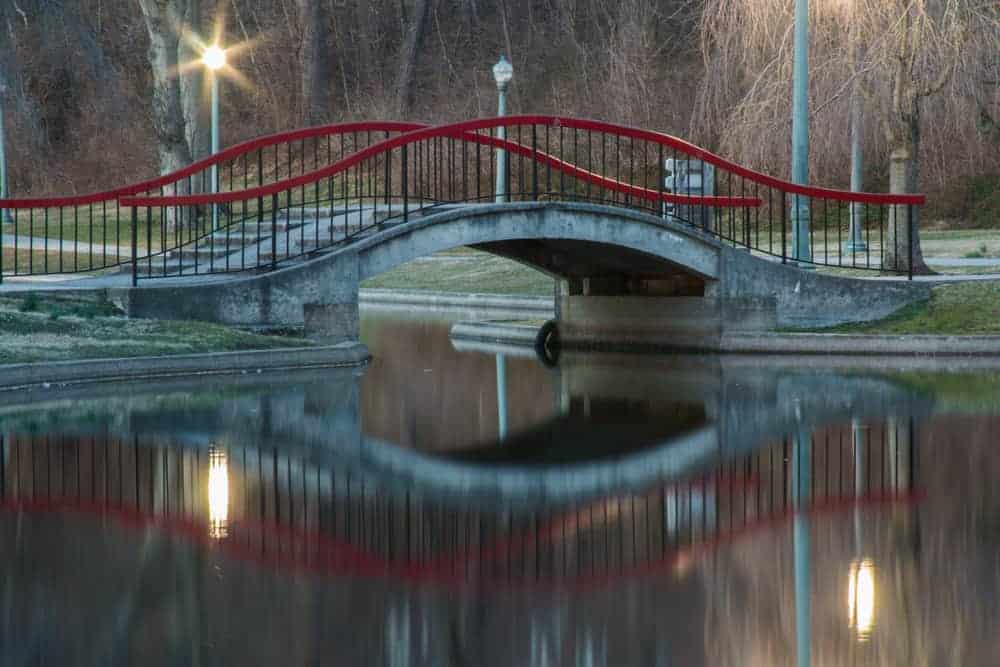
point(800, 133)
point(501, 188)
point(215, 143)
point(4, 192)
point(503, 72)
point(855, 239)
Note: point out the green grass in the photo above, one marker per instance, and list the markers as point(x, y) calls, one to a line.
point(958, 392)
point(37, 329)
point(465, 271)
point(965, 309)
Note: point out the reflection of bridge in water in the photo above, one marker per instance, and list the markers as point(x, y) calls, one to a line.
point(265, 515)
point(267, 506)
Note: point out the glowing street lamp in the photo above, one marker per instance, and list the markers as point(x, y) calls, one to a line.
point(214, 59)
point(503, 72)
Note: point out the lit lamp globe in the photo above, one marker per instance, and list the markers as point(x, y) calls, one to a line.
point(214, 58)
point(503, 72)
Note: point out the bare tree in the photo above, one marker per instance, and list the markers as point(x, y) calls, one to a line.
point(914, 49)
point(163, 19)
point(194, 102)
point(923, 45)
point(413, 34)
point(316, 60)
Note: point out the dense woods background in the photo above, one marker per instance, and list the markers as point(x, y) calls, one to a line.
point(81, 104)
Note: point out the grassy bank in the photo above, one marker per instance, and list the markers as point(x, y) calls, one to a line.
point(464, 270)
point(963, 309)
point(34, 329)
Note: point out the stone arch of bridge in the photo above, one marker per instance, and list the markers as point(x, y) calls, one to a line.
point(596, 249)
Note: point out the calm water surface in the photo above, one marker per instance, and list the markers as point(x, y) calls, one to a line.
point(463, 507)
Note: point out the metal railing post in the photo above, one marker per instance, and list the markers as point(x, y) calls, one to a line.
point(909, 240)
point(661, 183)
point(534, 161)
point(274, 232)
point(135, 246)
point(784, 228)
point(406, 186)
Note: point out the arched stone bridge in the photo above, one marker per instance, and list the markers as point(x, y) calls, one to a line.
point(622, 276)
point(643, 251)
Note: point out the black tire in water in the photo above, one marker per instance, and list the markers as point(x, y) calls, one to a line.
point(547, 343)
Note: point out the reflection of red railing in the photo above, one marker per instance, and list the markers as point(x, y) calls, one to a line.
point(314, 552)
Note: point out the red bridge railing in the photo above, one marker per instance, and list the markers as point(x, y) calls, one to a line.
point(93, 233)
point(289, 208)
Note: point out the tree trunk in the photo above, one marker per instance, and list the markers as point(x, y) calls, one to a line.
point(194, 101)
point(161, 17)
point(316, 60)
point(408, 56)
point(903, 238)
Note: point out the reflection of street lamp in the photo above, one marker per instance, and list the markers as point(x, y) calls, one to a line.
point(861, 577)
point(861, 598)
point(218, 493)
point(503, 72)
point(214, 59)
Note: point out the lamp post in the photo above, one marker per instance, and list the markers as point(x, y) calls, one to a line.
point(503, 72)
point(855, 240)
point(800, 134)
point(4, 192)
point(214, 59)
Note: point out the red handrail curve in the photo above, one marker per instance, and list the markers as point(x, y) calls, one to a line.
point(466, 130)
point(227, 154)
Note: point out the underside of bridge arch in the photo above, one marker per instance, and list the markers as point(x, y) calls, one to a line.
point(590, 268)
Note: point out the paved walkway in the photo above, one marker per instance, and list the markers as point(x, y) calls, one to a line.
point(23, 242)
point(13, 284)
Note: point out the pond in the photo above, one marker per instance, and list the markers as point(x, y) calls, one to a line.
point(455, 504)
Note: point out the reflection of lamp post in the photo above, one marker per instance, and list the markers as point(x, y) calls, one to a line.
point(218, 493)
point(503, 72)
point(800, 134)
point(861, 576)
point(801, 458)
point(502, 395)
point(214, 58)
